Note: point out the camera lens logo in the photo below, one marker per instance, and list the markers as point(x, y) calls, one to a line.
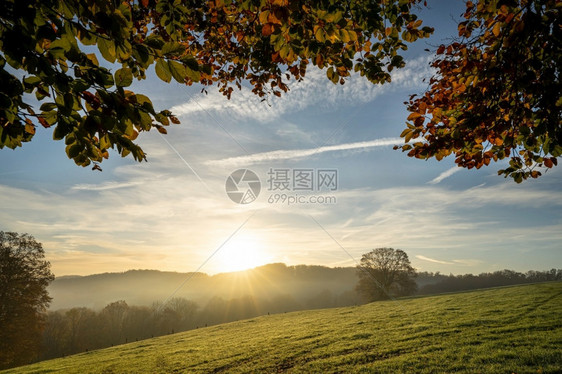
point(243, 186)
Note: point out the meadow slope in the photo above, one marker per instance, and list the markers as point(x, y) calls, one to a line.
point(503, 330)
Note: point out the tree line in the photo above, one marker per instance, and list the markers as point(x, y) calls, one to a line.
point(81, 329)
point(440, 283)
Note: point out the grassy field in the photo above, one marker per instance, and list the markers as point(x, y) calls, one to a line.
point(503, 330)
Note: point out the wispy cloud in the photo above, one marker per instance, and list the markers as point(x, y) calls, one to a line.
point(433, 260)
point(446, 174)
point(300, 153)
point(104, 186)
point(468, 262)
point(312, 91)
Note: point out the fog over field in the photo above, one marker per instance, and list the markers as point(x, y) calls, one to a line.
point(143, 287)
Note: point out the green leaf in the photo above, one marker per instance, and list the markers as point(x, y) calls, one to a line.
point(61, 130)
point(173, 49)
point(60, 43)
point(46, 107)
point(141, 54)
point(107, 49)
point(123, 77)
point(124, 50)
point(79, 85)
point(162, 70)
point(154, 41)
point(162, 119)
point(178, 71)
point(73, 150)
point(194, 75)
point(145, 119)
point(190, 62)
point(32, 80)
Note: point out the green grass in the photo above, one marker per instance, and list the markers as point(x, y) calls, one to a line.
point(503, 330)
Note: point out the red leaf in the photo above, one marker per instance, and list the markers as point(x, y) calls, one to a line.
point(43, 122)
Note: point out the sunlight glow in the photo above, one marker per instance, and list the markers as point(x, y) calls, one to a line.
point(242, 253)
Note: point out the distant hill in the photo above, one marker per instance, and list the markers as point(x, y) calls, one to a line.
point(143, 287)
point(514, 329)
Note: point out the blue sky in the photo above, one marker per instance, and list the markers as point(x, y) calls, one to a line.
point(172, 213)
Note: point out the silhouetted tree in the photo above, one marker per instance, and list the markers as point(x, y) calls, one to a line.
point(385, 273)
point(24, 277)
point(113, 316)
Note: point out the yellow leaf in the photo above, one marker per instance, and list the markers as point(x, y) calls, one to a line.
point(272, 18)
point(92, 57)
point(320, 36)
point(496, 29)
point(344, 35)
point(413, 116)
point(264, 16)
point(30, 129)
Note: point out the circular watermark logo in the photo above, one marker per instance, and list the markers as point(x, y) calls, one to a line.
point(243, 186)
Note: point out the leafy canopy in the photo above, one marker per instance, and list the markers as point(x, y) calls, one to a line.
point(385, 273)
point(48, 48)
point(24, 277)
point(496, 93)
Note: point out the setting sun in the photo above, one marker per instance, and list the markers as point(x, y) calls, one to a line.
point(242, 253)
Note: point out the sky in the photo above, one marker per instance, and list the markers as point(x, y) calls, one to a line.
point(173, 212)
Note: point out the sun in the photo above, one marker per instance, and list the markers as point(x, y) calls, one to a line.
point(243, 253)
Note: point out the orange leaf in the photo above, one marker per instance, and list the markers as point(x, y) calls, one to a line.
point(272, 18)
point(496, 29)
point(267, 29)
point(498, 141)
point(413, 116)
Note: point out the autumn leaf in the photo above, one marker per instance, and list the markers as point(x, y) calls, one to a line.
point(267, 29)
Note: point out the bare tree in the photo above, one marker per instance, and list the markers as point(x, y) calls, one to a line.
point(385, 273)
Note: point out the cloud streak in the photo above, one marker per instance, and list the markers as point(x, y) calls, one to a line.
point(433, 260)
point(104, 186)
point(446, 174)
point(300, 153)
